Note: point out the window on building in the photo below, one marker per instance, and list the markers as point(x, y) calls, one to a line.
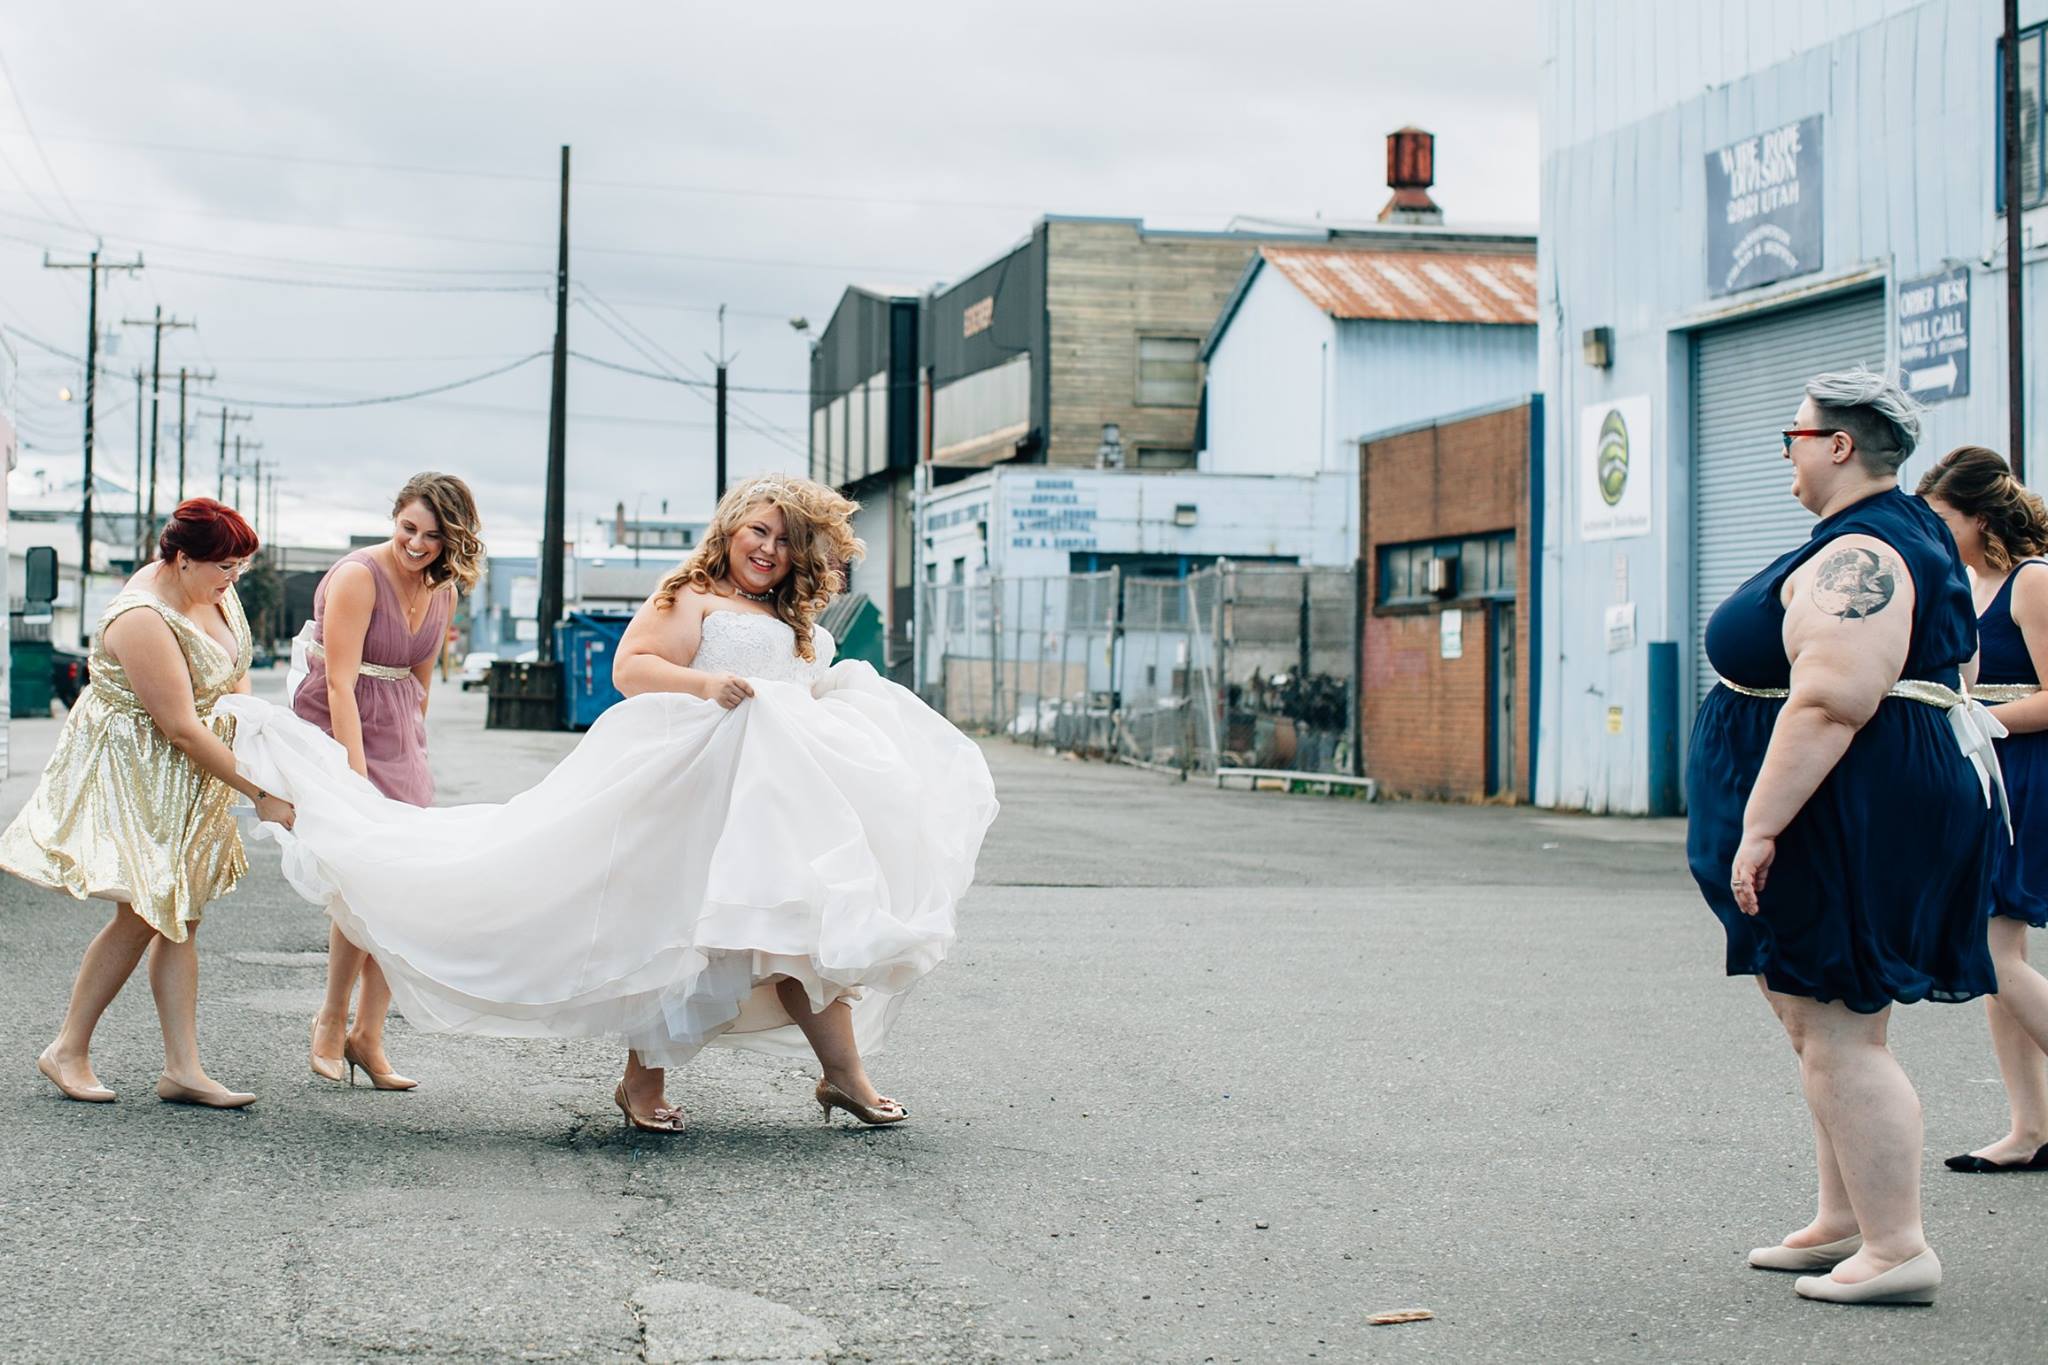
point(1169, 371)
point(1154, 457)
point(1484, 566)
point(2033, 119)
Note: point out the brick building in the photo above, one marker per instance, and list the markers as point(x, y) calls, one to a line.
point(1446, 525)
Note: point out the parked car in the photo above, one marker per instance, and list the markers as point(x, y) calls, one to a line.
point(262, 656)
point(68, 674)
point(476, 669)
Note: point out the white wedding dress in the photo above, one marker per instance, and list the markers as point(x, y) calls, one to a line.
point(677, 860)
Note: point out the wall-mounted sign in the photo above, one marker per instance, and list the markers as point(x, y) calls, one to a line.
point(978, 317)
point(1614, 720)
point(1052, 513)
point(1621, 627)
point(1450, 633)
point(1614, 460)
point(1933, 316)
point(1764, 208)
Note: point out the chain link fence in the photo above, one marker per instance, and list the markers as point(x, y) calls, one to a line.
point(1234, 666)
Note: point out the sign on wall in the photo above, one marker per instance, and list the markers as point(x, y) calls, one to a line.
point(1764, 208)
point(1614, 461)
point(1052, 513)
point(1933, 318)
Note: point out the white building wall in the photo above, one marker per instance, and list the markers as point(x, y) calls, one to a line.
point(1635, 96)
point(1391, 375)
point(1268, 384)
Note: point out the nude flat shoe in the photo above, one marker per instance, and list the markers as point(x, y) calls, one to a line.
point(84, 1094)
point(1826, 1256)
point(171, 1092)
point(1909, 1282)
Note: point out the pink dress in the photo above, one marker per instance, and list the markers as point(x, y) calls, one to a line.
point(394, 728)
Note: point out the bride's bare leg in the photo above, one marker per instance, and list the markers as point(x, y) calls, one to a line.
point(646, 1086)
point(829, 1031)
point(330, 1025)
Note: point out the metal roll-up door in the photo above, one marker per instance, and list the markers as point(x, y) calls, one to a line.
point(1748, 380)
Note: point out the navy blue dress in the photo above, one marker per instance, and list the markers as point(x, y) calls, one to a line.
point(1879, 887)
point(2019, 869)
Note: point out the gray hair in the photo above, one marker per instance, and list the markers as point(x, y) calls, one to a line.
point(1879, 416)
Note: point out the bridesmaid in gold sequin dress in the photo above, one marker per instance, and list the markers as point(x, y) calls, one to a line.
point(135, 805)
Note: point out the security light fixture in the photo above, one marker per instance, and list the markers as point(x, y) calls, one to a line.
point(1598, 346)
point(1184, 514)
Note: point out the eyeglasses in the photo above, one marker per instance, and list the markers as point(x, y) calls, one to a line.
point(229, 568)
point(1792, 434)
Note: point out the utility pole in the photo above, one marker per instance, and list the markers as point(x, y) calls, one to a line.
point(220, 469)
point(721, 360)
point(241, 466)
point(156, 387)
point(92, 268)
point(141, 528)
point(184, 374)
point(558, 412)
point(2015, 347)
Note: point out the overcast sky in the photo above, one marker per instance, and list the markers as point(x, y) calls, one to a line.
point(359, 200)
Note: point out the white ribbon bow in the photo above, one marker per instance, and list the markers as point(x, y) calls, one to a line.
point(1975, 729)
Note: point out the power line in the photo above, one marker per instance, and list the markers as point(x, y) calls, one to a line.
point(358, 285)
point(379, 399)
point(28, 126)
point(780, 263)
point(529, 177)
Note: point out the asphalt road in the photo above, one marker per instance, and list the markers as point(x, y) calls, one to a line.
point(1211, 1076)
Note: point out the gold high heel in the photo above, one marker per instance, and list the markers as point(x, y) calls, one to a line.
point(382, 1080)
point(664, 1120)
point(326, 1068)
point(173, 1092)
point(830, 1097)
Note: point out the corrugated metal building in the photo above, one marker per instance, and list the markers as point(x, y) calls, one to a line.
point(867, 437)
point(1735, 197)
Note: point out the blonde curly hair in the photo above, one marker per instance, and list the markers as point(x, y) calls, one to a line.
point(821, 544)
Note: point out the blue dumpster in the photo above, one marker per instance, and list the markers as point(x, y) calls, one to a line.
point(584, 645)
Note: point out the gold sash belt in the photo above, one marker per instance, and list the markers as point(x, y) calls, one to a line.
point(1907, 689)
point(368, 670)
point(1998, 692)
point(1974, 726)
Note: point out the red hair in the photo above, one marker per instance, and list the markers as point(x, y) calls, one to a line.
point(206, 530)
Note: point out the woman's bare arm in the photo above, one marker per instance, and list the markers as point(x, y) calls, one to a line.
point(148, 653)
point(658, 647)
point(345, 624)
point(1848, 624)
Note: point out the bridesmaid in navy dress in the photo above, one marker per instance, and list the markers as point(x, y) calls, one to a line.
point(1838, 830)
point(1999, 528)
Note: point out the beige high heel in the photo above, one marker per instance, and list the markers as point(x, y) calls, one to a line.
point(663, 1120)
point(326, 1068)
point(382, 1080)
point(830, 1097)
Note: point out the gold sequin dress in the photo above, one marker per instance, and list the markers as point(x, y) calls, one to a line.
point(120, 814)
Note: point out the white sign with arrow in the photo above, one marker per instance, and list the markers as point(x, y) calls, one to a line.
point(1933, 316)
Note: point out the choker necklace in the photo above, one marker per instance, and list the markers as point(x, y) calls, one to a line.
point(753, 596)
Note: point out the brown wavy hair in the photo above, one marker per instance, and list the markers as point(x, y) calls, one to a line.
point(462, 551)
point(821, 545)
point(1978, 483)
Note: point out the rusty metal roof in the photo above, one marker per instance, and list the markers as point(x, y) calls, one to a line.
point(1411, 286)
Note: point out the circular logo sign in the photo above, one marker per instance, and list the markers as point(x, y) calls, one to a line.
point(1613, 462)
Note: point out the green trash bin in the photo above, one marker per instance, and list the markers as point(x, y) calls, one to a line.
point(29, 690)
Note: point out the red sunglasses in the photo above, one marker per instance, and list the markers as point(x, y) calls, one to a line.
point(1792, 434)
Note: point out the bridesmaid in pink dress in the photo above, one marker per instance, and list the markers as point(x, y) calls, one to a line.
point(380, 616)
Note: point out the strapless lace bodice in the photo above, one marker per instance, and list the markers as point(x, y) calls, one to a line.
point(757, 646)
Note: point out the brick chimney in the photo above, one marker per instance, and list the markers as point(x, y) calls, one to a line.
point(1411, 170)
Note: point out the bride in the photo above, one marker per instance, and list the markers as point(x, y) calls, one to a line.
point(757, 848)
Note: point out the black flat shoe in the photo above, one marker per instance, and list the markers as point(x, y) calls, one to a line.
point(1977, 1165)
